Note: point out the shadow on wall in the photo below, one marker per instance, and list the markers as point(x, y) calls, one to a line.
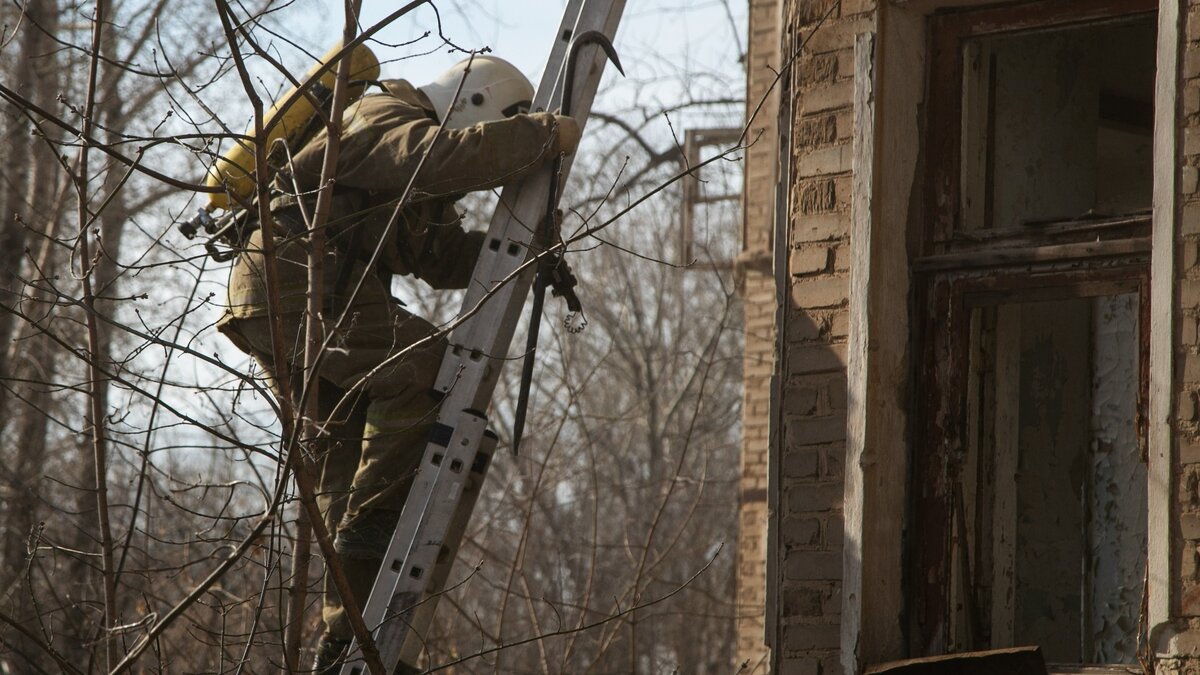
point(811, 457)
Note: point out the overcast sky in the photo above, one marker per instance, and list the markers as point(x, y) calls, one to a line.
point(657, 40)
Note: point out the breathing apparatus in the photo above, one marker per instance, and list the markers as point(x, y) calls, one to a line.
point(292, 120)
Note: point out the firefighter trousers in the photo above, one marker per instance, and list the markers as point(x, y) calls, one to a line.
point(376, 405)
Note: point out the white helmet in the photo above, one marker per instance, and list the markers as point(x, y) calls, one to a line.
point(493, 89)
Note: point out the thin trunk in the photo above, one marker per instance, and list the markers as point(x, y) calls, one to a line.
point(98, 382)
point(314, 334)
point(27, 361)
point(296, 462)
point(298, 590)
point(21, 517)
point(35, 366)
point(21, 182)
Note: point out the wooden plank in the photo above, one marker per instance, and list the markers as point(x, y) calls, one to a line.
point(1052, 228)
point(1006, 257)
point(1162, 319)
point(885, 165)
point(964, 628)
point(862, 215)
point(1012, 661)
point(943, 137)
point(936, 423)
point(1075, 669)
point(976, 130)
point(1007, 440)
point(1039, 14)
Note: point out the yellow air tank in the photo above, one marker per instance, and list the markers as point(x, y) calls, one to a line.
point(235, 169)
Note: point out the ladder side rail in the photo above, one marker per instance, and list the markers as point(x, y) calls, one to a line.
point(515, 217)
point(472, 379)
point(433, 503)
point(392, 605)
point(413, 553)
point(470, 369)
point(422, 614)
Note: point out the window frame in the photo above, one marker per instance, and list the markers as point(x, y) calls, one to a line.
point(942, 411)
point(943, 143)
point(952, 273)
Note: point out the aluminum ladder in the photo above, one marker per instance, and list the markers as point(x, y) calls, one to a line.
point(435, 516)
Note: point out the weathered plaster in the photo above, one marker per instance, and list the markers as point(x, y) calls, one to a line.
point(889, 77)
point(1162, 313)
point(1117, 489)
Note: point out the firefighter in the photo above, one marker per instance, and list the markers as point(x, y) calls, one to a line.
point(372, 447)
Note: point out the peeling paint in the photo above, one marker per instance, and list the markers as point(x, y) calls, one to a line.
point(1117, 494)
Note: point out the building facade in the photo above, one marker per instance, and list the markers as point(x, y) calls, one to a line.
point(971, 270)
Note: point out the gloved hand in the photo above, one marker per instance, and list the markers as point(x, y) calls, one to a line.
point(569, 133)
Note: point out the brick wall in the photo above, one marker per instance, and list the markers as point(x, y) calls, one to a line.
point(1188, 288)
point(813, 403)
point(758, 295)
point(1186, 551)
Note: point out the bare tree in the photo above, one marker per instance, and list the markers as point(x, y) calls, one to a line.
point(155, 486)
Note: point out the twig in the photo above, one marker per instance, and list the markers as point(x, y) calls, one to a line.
point(295, 461)
point(198, 591)
point(310, 397)
point(568, 631)
point(36, 640)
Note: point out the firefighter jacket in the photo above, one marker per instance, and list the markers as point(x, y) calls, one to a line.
point(384, 138)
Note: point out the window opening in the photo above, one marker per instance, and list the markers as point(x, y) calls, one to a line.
point(1051, 500)
point(1031, 264)
point(711, 201)
point(1057, 125)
